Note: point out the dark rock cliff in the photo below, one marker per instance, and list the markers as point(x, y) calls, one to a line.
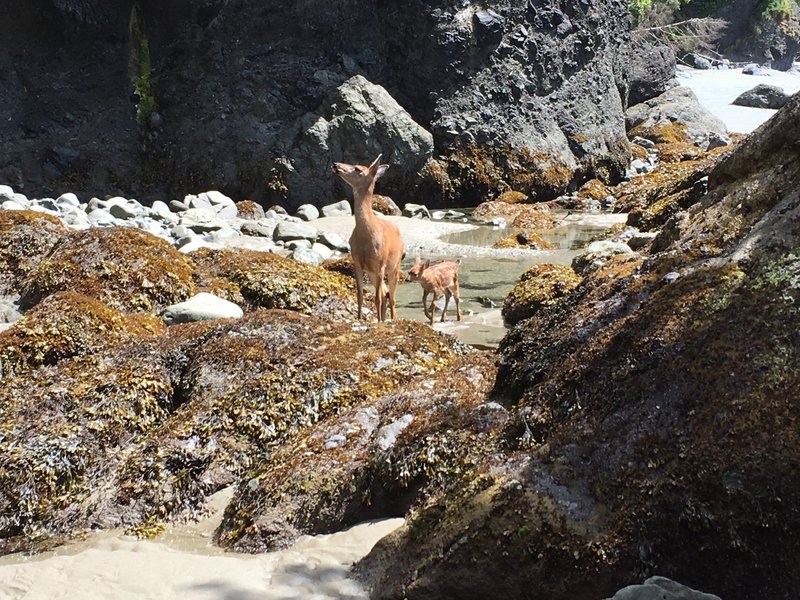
point(163, 100)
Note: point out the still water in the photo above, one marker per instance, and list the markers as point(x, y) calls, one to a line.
point(486, 278)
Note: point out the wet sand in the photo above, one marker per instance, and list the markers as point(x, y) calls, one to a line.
point(183, 565)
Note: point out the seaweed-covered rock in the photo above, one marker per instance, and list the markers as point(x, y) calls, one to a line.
point(261, 279)
point(124, 268)
point(678, 113)
point(63, 429)
point(141, 432)
point(652, 198)
point(385, 205)
point(523, 239)
point(539, 286)
point(67, 324)
point(26, 237)
point(375, 460)
point(653, 418)
point(251, 385)
point(247, 209)
point(524, 216)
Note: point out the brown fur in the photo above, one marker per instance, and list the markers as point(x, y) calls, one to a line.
point(375, 244)
point(437, 279)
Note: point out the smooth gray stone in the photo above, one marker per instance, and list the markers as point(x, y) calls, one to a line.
point(201, 307)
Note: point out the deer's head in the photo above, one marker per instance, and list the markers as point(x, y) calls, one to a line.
point(360, 177)
point(416, 269)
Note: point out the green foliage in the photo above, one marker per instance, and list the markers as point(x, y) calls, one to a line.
point(775, 9)
point(638, 7)
point(139, 65)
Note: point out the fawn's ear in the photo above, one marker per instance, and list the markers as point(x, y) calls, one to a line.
point(427, 263)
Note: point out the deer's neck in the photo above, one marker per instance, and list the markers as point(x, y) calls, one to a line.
point(362, 209)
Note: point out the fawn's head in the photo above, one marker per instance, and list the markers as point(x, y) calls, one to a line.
point(416, 269)
point(358, 176)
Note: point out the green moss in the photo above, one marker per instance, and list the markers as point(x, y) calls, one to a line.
point(140, 68)
point(775, 9)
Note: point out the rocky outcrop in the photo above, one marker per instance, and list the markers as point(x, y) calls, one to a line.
point(539, 286)
point(652, 418)
point(378, 459)
point(676, 116)
point(644, 72)
point(221, 95)
point(110, 417)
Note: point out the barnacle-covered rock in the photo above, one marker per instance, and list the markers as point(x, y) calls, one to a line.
point(125, 268)
point(539, 286)
point(375, 460)
point(26, 237)
point(68, 324)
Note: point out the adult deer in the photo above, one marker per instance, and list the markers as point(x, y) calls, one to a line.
point(375, 244)
point(437, 279)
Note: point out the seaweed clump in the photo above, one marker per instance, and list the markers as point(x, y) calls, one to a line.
point(262, 279)
point(539, 286)
point(125, 268)
point(26, 237)
point(67, 324)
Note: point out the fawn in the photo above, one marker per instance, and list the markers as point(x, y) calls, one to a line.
point(437, 279)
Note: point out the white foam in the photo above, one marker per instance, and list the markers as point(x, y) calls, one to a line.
point(716, 89)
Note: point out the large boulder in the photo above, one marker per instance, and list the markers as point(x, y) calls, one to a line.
point(675, 116)
point(356, 123)
point(653, 416)
point(763, 96)
point(645, 72)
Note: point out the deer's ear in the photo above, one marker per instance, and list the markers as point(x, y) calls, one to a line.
point(427, 263)
point(380, 171)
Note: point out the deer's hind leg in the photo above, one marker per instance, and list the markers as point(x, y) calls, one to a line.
point(456, 296)
point(447, 295)
point(392, 280)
